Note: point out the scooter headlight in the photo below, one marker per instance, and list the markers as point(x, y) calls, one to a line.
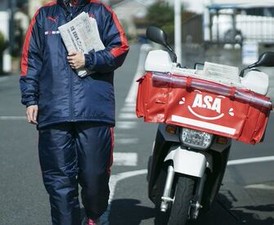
point(195, 139)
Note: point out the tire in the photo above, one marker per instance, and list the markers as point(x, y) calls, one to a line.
point(177, 214)
point(183, 196)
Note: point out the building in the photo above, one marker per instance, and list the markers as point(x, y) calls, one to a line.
point(239, 21)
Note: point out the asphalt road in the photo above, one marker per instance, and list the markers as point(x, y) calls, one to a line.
point(246, 197)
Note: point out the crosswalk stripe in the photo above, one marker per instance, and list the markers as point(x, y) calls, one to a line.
point(125, 158)
point(126, 141)
point(127, 116)
point(12, 118)
point(126, 124)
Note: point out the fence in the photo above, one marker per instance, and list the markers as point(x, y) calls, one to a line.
point(246, 28)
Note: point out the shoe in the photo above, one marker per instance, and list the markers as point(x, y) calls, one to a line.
point(87, 221)
point(102, 220)
point(91, 222)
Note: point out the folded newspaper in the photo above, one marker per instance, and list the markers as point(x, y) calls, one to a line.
point(225, 74)
point(81, 34)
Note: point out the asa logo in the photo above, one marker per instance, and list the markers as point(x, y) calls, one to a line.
point(207, 102)
point(205, 105)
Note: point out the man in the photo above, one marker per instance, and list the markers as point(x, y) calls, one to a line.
point(74, 115)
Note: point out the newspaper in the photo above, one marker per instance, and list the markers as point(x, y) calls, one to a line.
point(81, 34)
point(225, 74)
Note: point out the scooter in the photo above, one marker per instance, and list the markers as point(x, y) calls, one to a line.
point(187, 166)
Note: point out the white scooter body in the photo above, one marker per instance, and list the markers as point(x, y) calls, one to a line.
point(186, 167)
point(160, 61)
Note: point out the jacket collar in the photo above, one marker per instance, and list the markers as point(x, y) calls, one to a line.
point(74, 2)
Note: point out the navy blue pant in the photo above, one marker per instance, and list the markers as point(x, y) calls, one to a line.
point(73, 154)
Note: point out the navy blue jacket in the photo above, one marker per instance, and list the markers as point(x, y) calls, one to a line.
point(47, 79)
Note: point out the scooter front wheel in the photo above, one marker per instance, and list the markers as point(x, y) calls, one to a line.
point(178, 212)
point(182, 201)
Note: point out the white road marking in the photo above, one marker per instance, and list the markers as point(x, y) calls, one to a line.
point(250, 160)
point(260, 186)
point(126, 141)
point(12, 118)
point(126, 124)
point(125, 158)
point(3, 79)
point(131, 97)
point(127, 116)
point(114, 179)
point(128, 109)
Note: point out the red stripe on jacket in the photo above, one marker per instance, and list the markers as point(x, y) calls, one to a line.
point(117, 51)
point(25, 51)
point(124, 46)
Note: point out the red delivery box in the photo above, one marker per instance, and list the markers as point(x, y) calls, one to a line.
point(205, 105)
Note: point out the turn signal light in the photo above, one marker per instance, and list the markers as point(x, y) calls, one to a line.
point(171, 129)
point(222, 140)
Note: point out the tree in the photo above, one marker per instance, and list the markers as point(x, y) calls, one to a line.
point(162, 16)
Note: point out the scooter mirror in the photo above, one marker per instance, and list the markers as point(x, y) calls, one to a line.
point(157, 35)
point(265, 59)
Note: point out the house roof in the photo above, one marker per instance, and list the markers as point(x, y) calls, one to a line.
point(141, 2)
point(239, 4)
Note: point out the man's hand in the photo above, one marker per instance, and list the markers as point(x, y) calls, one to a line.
point(32, 112)
point(76, 60)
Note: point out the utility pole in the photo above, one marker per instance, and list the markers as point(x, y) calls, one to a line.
point(13, 4)
point(178, 30)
